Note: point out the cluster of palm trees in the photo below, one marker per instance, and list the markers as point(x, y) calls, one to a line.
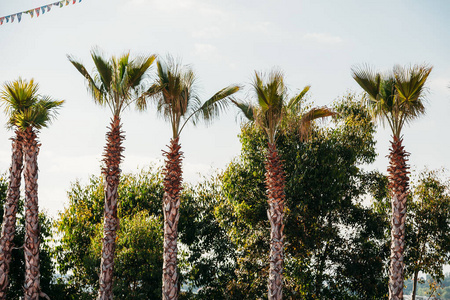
point(118, 82)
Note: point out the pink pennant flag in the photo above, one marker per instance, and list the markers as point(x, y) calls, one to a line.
point(12, 18)
point(1, 20)
point(31, 12)
point(49, 6)
point(19, 16)
point(37, 10)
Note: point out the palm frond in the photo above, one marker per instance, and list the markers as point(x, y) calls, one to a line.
point(215, 105)
point(139, 68)
point(311, 115)
point(95, 90)
point(104, 70)
point(246, 109)
point(368, 79)
point(294, 103)
point(19, 95)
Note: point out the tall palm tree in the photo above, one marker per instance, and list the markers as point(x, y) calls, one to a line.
point(273, 107)
point(175, 94)
point(28, 113)
point(117, 82)
point(397, 99)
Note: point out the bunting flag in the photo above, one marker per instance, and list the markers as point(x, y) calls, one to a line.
point(38, 10)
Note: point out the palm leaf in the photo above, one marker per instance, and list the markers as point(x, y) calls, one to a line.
point(369, 80)
point(294, 103)
point(104, 70)
point(308, 117)
point(216, 104)
point(95, 90)
point(246, 109)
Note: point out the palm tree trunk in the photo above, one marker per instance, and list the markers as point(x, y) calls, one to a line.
point(111, 171)
point(32, 241)
point(171, 203)
point(10, 211)
point(275, 194)
point(398, 184)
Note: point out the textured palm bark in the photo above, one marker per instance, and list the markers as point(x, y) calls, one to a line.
point(10, 212)
point(111, 171)
point(398, 185)
point(171, 204)
point(32, 285)
point(275, 182)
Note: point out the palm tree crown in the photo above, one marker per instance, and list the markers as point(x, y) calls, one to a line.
point(176, 96)
point(274, 106)
point(25, 107)
point(116, 82)
point(396, 98)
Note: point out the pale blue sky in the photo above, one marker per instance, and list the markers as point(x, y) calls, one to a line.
point(314, 42)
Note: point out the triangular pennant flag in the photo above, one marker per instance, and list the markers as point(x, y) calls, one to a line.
point(67, 2)
point(61, 3)
point(31, 12)
point(43, 9)
point(37, 10)
point(49, 6)
point(1, 20)
point(79, 1)
point(74, 1)
point(19, 16)
point(7, 19)
point(12, 18)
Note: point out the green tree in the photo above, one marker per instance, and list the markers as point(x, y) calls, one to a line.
point(397, 99)
point(117, 83)
point(139, 245)
point(428, 228)
point(324, 187)
point(175, 94)
point(28, 113)
point(273, 107)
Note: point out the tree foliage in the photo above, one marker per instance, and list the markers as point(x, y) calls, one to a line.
point(140, 234)
point(428, 230)
point(335, 246)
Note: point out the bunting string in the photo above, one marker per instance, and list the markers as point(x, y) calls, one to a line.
point(36, 11)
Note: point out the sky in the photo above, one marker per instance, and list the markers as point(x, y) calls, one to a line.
point(314, 42)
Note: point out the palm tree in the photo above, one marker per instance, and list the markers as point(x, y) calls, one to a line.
point(271, 110)
point(397, 99)
point(116, 83)
point(175, 94)
point(28, 113)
